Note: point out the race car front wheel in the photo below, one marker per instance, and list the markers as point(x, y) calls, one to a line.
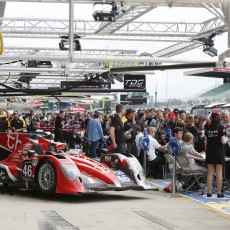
point(47, 177)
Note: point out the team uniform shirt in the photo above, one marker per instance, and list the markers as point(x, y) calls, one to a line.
point(58, 121)
point(215, 149)
point(18, 123)
point(119, 129)
point(153, 145)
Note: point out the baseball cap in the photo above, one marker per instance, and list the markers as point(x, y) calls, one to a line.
point(171, 115)
point(216, 112)
point(15, 112)
point(176, 111)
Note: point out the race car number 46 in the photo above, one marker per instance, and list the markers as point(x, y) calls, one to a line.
point(27, 170)
point(121, 176)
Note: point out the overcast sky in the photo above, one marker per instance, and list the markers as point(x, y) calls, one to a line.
point(170, 84)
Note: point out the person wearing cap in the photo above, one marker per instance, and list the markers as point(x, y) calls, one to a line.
point(4, 123)
point(176, 112)
point(172, 121)
point(17, 124)
point(215, 138)
point(130, 128)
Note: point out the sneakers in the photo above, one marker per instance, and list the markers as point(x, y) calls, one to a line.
point(220, 195)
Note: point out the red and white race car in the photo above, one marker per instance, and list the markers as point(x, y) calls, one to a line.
point(35, 164)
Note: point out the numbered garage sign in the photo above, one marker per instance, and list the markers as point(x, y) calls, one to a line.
point(27, 170)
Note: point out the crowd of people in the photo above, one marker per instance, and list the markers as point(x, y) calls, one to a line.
point(189, 135)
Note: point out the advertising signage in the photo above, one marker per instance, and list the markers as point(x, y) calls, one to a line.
point(134, 82)
point(125, 100)
point(85, 85)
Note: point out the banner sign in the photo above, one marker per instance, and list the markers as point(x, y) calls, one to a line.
point(84, 85)
point(78, 108)
point(134, 81)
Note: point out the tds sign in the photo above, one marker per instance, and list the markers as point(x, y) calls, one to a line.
point(134, 81)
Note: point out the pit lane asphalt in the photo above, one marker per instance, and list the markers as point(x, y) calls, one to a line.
point(126, 210)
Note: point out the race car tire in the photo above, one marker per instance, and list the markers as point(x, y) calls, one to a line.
point(47, 177)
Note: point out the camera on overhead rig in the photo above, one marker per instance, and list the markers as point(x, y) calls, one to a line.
point(108, 10)
point(64, 43)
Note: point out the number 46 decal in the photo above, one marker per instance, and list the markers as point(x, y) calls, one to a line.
point(27, 170)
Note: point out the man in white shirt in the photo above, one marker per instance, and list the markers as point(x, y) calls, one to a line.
point(154, 159)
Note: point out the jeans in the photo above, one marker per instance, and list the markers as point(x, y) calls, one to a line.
point(121, 148)
point(94, 145)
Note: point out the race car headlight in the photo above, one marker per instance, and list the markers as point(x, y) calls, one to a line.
point(70, 171)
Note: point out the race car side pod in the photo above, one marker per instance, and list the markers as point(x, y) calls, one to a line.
point(1, 44)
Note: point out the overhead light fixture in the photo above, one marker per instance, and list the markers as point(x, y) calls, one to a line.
point(211, 51)
point(44, 64)
point(64, 43)
point(208, 44)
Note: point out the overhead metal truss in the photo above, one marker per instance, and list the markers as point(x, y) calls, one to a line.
point(54, 28)
point(171, 3)
point(131, 14)
point(92, 61)
point(51, 50)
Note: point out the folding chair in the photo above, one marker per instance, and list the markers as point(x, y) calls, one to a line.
point(189, 174)
point(169, 166)
point(169, 161)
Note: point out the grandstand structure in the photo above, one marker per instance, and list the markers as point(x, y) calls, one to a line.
point(220, 92)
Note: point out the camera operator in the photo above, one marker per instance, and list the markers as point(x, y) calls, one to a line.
point(130, 131)
point(116, 131)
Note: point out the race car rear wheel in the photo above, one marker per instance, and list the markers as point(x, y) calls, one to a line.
point(47, 177)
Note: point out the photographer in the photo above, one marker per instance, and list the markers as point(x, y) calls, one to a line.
point(130, 131)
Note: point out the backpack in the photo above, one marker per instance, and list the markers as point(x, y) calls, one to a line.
point(144, 141)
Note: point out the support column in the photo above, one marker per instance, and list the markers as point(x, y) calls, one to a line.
point(2, 10)
point(71, 29)
point(226, 11)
